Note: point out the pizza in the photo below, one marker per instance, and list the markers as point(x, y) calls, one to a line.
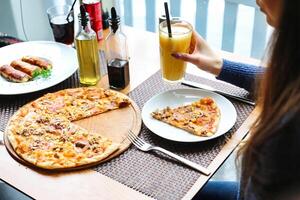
point(200, 118)
point(43, 133)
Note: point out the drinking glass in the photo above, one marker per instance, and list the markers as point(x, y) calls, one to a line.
point(63, 28)
point(172, 69)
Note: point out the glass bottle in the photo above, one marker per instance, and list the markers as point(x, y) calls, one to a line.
point(87, 51)
point(117, 54)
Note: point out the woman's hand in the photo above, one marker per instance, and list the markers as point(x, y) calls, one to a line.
point(202, 55)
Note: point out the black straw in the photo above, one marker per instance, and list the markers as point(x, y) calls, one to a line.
point(72, 7)
point(168, 19)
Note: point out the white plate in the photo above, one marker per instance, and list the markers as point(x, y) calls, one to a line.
point(179, 97)
point(63, 58)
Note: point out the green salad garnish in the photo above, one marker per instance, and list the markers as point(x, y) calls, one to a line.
point(44, 73)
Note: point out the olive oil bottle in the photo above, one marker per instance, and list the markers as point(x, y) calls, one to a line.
point(87, 51)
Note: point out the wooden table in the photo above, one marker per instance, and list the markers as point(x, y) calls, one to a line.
point(88, 184)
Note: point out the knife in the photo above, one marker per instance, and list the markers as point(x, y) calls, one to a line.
point(209, 88)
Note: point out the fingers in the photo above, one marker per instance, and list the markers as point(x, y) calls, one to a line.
point(186, 57)
point(195, 40)
point(193, 43)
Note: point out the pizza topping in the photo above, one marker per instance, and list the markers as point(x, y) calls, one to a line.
point(56, 107)
point(56, 156)
point(50, 129)
point(178, 117)
point(35, 144)
point(23, 112)
point(123, 103)
point(39, 144)
point(25, 132)
point(69, 153)
point(43, 120)
point(57, 149)
point(107, 93)
point(81, 144)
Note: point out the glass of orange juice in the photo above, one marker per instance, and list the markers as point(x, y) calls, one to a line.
point(172, 69)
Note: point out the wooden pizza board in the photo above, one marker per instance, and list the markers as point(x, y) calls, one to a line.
point(114, 124)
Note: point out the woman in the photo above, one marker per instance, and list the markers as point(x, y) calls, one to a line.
point(271, 156)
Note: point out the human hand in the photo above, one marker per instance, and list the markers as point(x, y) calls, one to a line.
point(201, 55)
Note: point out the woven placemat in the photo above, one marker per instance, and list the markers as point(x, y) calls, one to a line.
point(152, 174)
point(157, 175)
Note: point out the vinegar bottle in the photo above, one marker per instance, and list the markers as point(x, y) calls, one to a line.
point(117, 54)
point(87, 51)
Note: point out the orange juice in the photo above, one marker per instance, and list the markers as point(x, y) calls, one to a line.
point(173, 70)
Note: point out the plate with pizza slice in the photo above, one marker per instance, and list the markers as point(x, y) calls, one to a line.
point(189, 115)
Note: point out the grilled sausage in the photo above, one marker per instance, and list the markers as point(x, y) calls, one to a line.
point(12, 74)
point(25, 67)
point(41, 62)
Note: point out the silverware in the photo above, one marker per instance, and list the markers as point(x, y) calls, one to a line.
point(1, 138)
point(209, 88)
point(143, 146)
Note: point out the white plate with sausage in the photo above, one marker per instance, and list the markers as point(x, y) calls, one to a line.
point(62, 57)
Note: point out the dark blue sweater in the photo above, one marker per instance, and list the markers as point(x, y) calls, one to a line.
point(240, 74)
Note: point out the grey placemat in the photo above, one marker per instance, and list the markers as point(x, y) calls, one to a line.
point(156, 175)
point(152, 174)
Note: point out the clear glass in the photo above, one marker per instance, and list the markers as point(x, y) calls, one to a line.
point(172, 69)
point(87, 54)
point(63, 29)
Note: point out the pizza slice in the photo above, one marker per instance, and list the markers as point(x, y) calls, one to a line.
point(80, 103)
point(200, 118)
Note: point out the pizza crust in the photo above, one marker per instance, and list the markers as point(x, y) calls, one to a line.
point(52, 165)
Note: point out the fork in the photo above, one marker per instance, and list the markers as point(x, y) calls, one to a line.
point(144, 146)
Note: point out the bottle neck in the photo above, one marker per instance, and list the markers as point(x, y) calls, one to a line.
point(115, 30)
point(86, 26)
point(115, 24)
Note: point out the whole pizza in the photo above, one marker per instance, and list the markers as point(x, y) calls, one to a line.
point(43, 133)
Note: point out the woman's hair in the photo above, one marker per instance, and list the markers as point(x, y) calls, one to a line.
point(279, 92)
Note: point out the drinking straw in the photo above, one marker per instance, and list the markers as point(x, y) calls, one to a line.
point(72, 7)
point(168, 19)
